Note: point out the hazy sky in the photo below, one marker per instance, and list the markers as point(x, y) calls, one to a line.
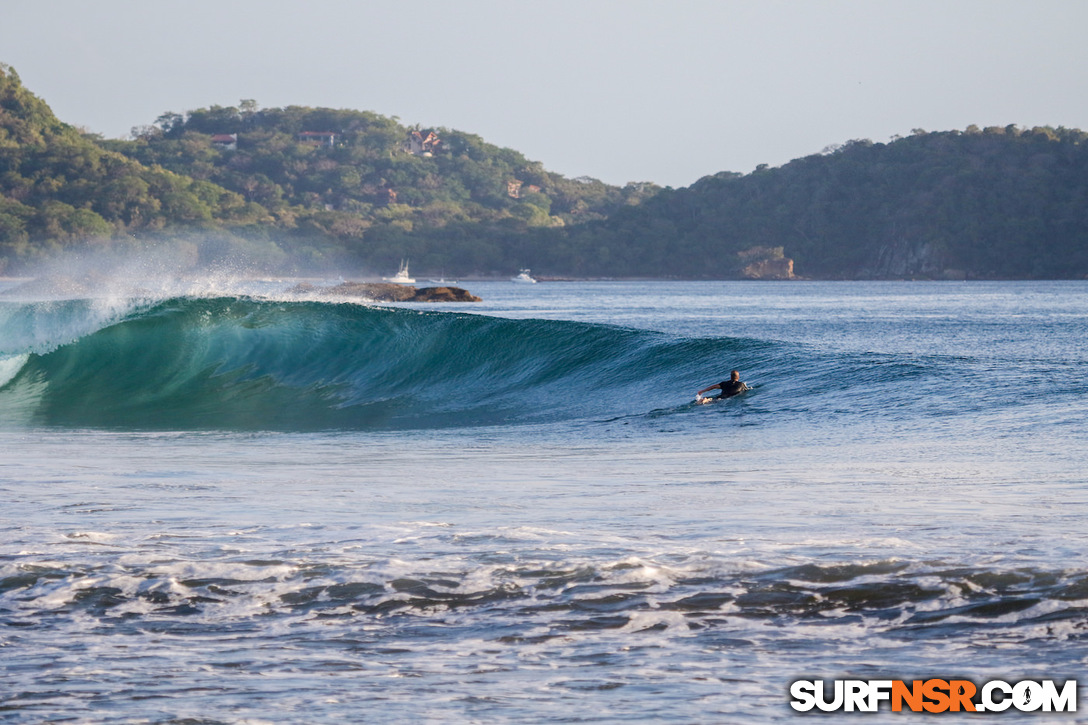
point(627, 90)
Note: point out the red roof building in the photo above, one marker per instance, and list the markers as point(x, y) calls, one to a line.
point(225, 141)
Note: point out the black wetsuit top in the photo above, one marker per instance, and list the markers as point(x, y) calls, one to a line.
point(731, 388)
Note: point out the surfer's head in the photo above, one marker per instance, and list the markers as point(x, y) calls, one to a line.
point(735, 375)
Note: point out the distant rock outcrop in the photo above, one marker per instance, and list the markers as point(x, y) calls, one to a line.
point(389, 292)
point(444, 294)
point(770, 269)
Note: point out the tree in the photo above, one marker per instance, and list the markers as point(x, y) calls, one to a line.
point(170, 122)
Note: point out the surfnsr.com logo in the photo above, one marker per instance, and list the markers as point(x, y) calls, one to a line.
point(934, 695)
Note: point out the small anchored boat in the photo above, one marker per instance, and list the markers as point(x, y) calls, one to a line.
point(523, 277)
point(402, 276)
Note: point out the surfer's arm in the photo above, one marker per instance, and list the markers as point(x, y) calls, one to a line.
point(699, 395)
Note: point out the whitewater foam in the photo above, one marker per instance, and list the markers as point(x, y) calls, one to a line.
point(10, 367)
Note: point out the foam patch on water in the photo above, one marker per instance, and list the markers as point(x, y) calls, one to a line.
point(10, 367)
point(541, 624)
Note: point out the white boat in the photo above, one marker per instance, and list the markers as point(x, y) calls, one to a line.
point(523, 276)
point(401, 277)
point(444, 282)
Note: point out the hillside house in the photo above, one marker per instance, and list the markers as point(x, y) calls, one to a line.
point(419, 145)
point(318, 138)
point(225, 141)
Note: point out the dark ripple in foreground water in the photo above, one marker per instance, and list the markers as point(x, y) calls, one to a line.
point(512, 625)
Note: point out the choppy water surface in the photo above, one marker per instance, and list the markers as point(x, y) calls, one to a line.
point(237, 507)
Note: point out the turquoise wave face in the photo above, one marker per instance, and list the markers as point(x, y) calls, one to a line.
point(239, 363)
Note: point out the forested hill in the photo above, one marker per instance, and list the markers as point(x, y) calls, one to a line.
point(59, 188)
point(376, 190)
point(984, 203)
point(300, 189)
point(293, 188)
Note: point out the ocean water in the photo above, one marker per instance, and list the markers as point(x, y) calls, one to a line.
point(222, 503)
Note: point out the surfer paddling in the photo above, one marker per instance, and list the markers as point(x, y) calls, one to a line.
point(732, 386)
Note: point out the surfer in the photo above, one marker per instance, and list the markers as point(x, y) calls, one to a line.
point(732, 386)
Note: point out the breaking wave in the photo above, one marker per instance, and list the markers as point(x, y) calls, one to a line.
point(243, 363)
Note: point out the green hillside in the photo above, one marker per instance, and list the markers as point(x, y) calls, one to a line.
point(298, 189)
point(295, 188)
point(983, 203)
point(59, 188)
point(377, 190)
